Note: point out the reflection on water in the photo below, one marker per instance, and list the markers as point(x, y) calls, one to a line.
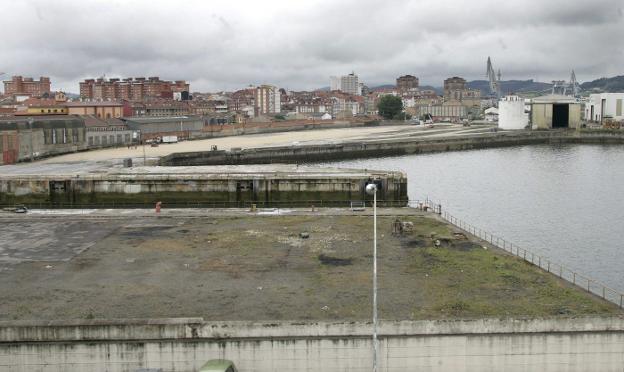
point(564, 202)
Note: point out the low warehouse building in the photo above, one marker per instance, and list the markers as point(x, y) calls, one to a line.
point(604, 105)
point(555, 111)
point(25, 138)
point(108, 132)
point(184, 127)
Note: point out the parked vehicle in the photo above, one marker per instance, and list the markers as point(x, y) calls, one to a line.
point(170, 139)
point(218, 365)
point(16, 209)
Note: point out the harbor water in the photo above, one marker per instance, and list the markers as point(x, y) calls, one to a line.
point(563, 202)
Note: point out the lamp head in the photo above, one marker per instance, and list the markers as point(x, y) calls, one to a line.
point(371, 189)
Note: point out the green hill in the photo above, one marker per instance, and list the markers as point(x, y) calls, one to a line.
point(611, 85)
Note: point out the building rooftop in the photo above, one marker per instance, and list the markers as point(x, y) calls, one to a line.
point(156, 119)
point(554, 98)
point(91, 121)
point(92, 103)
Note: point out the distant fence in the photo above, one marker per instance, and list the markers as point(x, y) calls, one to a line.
point(563, 272)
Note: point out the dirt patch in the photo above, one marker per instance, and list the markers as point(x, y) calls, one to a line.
point(465, 245)
point(144, 231)
point(414, 243)
point(334, 261)
point(164, 245)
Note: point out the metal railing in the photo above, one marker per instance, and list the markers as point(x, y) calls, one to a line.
point(209, 204)
point(590, 285)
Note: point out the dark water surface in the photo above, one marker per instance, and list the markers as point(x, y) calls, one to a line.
point(564, 202)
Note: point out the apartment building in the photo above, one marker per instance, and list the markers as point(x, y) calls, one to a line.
point(27, 85)
point(267, 100)
point(134, 89)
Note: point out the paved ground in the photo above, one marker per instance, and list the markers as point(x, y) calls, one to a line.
point(41, 241)
point(98, 169)
point(238, 265)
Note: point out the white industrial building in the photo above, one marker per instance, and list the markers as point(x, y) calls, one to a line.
point(604, 105)
point(511, 115)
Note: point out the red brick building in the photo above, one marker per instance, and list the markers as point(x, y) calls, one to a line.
point(407, 83)
point(137, 89)
point(22, 85)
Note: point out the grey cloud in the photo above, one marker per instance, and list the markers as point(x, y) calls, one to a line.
point(298, 45)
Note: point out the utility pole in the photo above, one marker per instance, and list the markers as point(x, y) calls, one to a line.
point(371, 189)
point(143, 142)
point(30, 126)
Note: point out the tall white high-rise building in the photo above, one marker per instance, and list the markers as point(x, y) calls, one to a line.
point(347, 84)
point(350, 84)
point(334, 83)
point(267, 100)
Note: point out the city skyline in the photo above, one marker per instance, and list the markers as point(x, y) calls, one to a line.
point(230, 46)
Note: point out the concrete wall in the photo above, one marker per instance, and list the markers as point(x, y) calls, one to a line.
point(541, 116)
point(355, 150)
point(230, 189)
point(575, 344)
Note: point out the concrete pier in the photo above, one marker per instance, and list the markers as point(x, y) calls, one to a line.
point(369, 147)
point(199, 186)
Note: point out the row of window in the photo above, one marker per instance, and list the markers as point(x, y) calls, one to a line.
point(105, 129)
point(109, 140)
point(62, 135)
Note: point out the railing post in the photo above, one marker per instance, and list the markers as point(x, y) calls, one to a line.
point(603, 292)
point(621, 296)
point(548, 266)
point(573, 277)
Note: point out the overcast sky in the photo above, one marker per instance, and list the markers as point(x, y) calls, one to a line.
point(227, 45)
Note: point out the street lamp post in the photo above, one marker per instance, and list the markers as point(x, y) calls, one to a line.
point(371, 189)
point(30, 126)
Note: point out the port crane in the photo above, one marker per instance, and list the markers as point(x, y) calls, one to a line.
point(494, 79)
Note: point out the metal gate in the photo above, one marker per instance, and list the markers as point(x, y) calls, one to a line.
point(10, 147)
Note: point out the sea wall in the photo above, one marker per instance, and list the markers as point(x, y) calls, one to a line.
point(364, 149)
point(283, 187)
point(555, 344)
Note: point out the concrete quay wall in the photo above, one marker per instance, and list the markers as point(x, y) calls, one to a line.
point(227, 130)
point(557, 344)
point(370, 148)
point(186, 189)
